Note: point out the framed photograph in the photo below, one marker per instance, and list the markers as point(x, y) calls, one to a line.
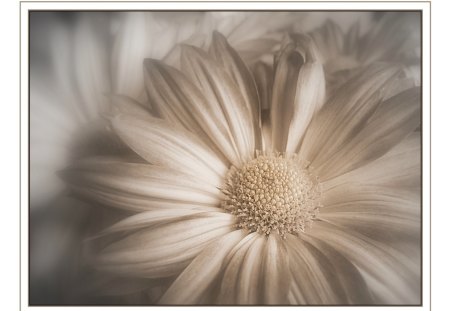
point(225, 154)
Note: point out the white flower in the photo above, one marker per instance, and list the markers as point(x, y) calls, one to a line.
point(243, 196)
point(193, 150)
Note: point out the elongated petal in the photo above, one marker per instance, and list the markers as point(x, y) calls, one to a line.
point(91, 64)
point(346, 275)
point(283, 96)
point(222, 94)
point(152, 218)
point(129, 50)
point(235, 67)
point(160, 143)
point(388, 215)
point(345, 113)
point(102, 178)
point(399, 168)
point(394, 119)
point(166, 249)
point(276, 277)
point(298, 92)
point(175, 98)
point(189, 287)
point(233, 262)
point(384, 212)
point(397, 272)
point(249, 286)
point(313, 279)
point(381, 227)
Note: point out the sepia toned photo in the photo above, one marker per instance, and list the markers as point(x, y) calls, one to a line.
point(217, 158)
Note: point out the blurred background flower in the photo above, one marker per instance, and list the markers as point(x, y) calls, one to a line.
point(78, 60)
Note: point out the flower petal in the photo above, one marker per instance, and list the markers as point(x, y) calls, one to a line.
point(249, 286)
point(160, 143)
point(189, 287)
point(313, 279)
point(129, 50)
point(384, 214)
point(105, 178)
point(228, 290)
point(91, 64)
point(166, 249)
point(235, 67)
point(156, 217)
point(345, 113)
point(222, 94)
point(298, 92)
point(395, 271)
point(394, 119)
point(175, 98)
point(399, 168)
point(350, 196)
point(346, 274)
point(275, 271)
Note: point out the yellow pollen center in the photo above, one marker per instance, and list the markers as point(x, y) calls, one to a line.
point(272, 193)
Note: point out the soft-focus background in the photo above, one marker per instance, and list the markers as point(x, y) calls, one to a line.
point(77, 59)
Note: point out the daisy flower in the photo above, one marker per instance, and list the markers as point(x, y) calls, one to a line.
point(259, 186)
point(77, 60)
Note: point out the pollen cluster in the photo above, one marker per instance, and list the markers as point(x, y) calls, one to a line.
point(272, 193)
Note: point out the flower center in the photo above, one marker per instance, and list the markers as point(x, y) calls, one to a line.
point(272, 193)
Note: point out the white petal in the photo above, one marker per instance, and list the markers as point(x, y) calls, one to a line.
point(230, 60)
point(166, 249)
point(276, 277)
point(346, 276)
point(91, 66)
point(175, 98)
point(298, 92)
point(309, 98)
point(105, 178)
point(163, 144)
point(350, 196)
point(189, 287)
point(129, 50)
point(400, 167)
point(250, 280)
point(344, 113)
point(221, 93)
point(311, 274)
point(387, 265)
point(394, 119)
point(156, 217)
point(228, 290)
